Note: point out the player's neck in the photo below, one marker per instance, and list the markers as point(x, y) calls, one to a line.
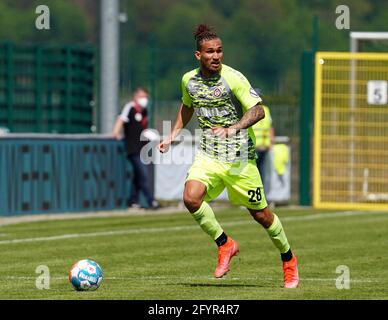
point(205, 73)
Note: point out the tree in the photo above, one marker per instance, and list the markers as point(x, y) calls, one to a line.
point(17, 23)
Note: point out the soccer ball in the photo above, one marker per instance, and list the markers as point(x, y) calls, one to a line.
point(85, 275)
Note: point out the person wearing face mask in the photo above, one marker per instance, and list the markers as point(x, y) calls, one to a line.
point(133, 119)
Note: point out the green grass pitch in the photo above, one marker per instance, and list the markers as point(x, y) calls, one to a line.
point(167, 256)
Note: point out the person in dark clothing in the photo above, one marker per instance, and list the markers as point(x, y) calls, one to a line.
point(133, 119)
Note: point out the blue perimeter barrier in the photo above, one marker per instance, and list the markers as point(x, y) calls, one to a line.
point(62, 173)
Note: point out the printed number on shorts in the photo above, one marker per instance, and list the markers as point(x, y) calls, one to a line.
point(255, 195)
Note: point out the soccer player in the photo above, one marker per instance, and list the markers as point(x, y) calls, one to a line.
point(226, 107)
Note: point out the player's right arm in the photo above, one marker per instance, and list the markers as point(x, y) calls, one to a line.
point(184, 114)
point(121, 119)
point(183, 117)
point(116, 133)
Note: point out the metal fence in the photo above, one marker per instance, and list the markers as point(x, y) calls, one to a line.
point(46, 89)
point(63, 173)
point(351, 131)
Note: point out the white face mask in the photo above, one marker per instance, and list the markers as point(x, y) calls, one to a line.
point(142, 102)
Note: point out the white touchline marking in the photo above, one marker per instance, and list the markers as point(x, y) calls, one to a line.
point(184, 228)
point(180, 278)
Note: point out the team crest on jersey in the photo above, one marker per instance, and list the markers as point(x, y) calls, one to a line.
point(253, 93)
point(217, 92)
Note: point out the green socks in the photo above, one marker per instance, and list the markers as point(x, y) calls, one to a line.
point(207, 220)
point(278, 236)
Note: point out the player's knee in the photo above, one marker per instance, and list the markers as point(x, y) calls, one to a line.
point(264, 217)
point(192, 203)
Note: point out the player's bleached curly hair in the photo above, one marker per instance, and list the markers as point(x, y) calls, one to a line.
point(203, 33)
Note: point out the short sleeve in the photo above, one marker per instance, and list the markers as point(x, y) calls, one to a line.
point(241, 88)
point(125, 112)
point(244, 92)
point(186, 100)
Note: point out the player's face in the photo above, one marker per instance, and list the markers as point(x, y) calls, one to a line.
point(141, 97)
point(210, 55)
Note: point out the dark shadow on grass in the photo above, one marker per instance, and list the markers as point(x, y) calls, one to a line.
point(226, 285)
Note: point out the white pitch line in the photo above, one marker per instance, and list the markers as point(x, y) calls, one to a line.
point(203, 278)
point(186, 228)
point(331, 215)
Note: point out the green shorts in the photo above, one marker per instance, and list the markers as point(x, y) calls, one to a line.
point(242, 181)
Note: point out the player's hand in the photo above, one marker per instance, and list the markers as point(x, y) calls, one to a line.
point(116, 136)
point(223, 132)
point(164, 146)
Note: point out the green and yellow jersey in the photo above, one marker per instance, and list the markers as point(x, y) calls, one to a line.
point(221, 101)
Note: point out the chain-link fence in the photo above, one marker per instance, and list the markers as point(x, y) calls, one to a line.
point(46, 89)
point(351, 132)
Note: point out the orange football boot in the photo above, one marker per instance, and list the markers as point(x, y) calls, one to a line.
point(290, 270)
point(225, 254)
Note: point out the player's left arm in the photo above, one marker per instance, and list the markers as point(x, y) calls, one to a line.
point(253, 115)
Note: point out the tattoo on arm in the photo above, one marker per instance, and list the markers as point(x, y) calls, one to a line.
point(252, 116)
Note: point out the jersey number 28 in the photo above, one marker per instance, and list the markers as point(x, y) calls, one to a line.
point(255, 195)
